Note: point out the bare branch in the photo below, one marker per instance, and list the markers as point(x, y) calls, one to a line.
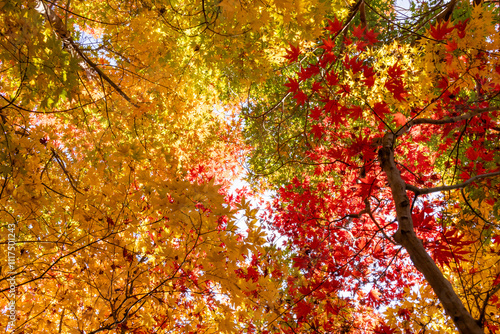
point(381, 229)
point(419, 191)
point(71, 180)
point(446, 13)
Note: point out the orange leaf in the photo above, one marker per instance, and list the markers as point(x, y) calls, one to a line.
point(400, 119)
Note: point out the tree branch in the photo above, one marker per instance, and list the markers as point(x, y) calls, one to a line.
point(419, 191)
point(446, 13)
point(448, 120)
point(407, 237)
point(71, 180)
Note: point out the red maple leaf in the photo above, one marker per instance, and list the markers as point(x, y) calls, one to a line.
point(332, 79)
point(370, 81)
point(344, 90)
point(328, 44)
point(309, 71)
point(300, 262)
point(395, 71)
point(328, 57)
point(252, 274)
point(443, 83)
point(374, 294)
point(354, 64)
point(301, 97)
point(358, 31)
point(461, 28)
point(365, 186)
point(439, 31)
point(293, 85)
point(497, 280)
point(396, 87)
point(369, 76)
point(331, 107)
point(451, 46)
point(356, 112)
point(303, 309)
point(472, 153)
point(361, 46)
point(317, 130)
point(316, 86)
point(381, 109)
point(292, 54)
point(384, 329)
point(316, 113)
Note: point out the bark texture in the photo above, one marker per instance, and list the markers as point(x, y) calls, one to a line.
point(407, 238)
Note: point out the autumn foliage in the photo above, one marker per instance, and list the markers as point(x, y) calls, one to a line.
point(125, 124)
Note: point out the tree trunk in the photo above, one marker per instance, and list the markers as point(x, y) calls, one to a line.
point(406, 237)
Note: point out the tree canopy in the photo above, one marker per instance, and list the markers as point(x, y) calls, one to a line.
point(125, 124)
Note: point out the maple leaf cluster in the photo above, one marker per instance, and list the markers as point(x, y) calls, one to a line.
point(125, 126)
point(339, 216)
